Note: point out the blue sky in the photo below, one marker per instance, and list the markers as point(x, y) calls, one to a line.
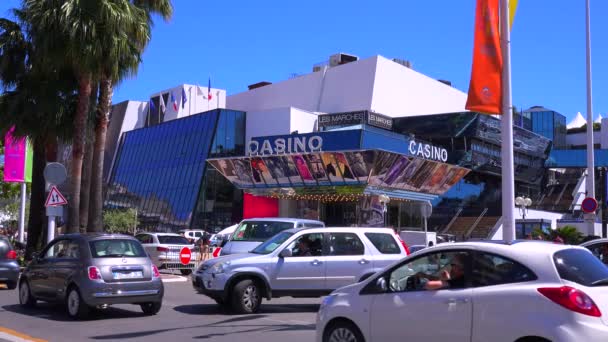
point(237, 43)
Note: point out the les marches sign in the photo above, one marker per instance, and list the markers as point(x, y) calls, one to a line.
point(356, 118)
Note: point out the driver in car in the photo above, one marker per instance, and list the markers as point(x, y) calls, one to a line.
point(452, 279)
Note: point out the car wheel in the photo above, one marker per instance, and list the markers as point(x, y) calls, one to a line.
point(11, 285)
point(246, 298)
point(25, 295)
point(186, 272)
point(342, 332)
point(151, 308)
point(76, 307)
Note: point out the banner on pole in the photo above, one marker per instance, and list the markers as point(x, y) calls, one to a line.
point(18, 158)
point(485, 88)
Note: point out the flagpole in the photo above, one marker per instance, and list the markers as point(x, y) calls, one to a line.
point(508, 177)
point(590, 183)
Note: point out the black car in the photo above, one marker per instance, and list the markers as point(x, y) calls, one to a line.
point(9, 268)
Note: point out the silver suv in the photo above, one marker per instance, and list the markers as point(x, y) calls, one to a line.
point(306, 262)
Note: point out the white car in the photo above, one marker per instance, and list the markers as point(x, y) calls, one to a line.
point(530, 291)
point(223, 235)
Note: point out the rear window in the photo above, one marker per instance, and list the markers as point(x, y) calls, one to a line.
point(385, 243)
point(580, 266)
point(172, 240)
point(313, 225)
point(117, 248)
point(259, 230)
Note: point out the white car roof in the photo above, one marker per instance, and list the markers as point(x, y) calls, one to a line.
point(282, 219)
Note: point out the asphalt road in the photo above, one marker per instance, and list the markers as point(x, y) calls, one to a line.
point(185, 316)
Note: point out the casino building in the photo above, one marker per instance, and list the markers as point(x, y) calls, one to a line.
point(331, 145)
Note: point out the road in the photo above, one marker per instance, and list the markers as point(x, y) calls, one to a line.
point(185, 316)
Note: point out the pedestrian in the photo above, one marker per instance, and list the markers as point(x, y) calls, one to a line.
point(559, 240)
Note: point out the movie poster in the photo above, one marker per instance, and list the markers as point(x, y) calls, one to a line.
point(261, 170)
point(454, 176)
point(422, 174)
point(396, 170)
point(404, 181)
point(332, 169)
point(243, 171)
point(303, 169)
point(225, 167)
point(278, 171)
point(371, 212)
point(384, 162)
point(317, 168)
point(436, 179)
point(344, 168)
point(361, 163)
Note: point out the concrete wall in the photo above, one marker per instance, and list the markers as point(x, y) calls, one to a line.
point(530, 214)
point(582, 227)
point(578, 139)
point(302, 121)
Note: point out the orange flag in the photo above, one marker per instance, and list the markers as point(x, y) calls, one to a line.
point(485, 89)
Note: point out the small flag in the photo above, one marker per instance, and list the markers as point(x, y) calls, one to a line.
point(184, 98)
point(209, 96)
point(174, 101)
point(163, 108)
point(152, 107)
point(512, 9)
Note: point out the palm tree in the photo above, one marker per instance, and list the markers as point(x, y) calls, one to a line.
point(39, 103)
point(123, 58)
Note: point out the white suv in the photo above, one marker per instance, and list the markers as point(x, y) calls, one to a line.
point(528, 291)
point(306, 262)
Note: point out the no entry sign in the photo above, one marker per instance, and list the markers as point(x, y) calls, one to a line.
point(589, 205)
point(185, 255)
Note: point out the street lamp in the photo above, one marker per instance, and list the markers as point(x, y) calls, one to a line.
point(523, 203)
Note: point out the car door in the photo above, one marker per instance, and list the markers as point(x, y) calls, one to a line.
point(409, 311)
point(346, 260)
point(65, 266)
point(304, 270)
point(42, 276)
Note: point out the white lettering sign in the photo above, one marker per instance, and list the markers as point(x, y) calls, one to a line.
point(428, 151)
point(296, 144)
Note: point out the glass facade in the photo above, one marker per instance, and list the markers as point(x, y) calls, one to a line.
point(549, 124)
point(159, 169)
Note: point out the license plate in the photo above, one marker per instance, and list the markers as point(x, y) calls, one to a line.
point(128, 275)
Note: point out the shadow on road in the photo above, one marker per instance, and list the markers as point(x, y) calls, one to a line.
point(232, 326)
point(57, 312)
point(206, 309)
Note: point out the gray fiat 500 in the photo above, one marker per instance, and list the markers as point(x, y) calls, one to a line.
point(86, 271)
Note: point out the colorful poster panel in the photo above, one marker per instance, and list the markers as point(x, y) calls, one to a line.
point(408, 173)
point(371, 212)
point(457, 173)
point(332, 169)
point(422, 175)
point(317, 168)
point(243, 171)
point(396, 170)
point(436, 179)
point(225, 167)
point(361, 163)
point(260, 170)
point(303, 169)
point(384, 162)
point(282, 171)
point(344, 168)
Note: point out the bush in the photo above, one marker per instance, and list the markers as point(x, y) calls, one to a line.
point(120, 220)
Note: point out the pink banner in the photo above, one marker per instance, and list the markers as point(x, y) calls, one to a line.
point(14, 158)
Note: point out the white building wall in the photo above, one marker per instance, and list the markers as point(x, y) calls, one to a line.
point(374, 83)
point(401, 91)
point(581, 138)
point(604, 133)
point(135, 116)
point(302, 121)
point(267, 122)
point(530, 214)
point(196, 101)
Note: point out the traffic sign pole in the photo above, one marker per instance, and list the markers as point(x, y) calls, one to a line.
point(54, 174)
point(50, 233)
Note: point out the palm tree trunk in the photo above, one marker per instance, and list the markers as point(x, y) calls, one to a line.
point(85, 189)
point(80, 124)
point(101, 127)
point(36, 219)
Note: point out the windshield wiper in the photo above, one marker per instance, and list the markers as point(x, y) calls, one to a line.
point(600, 282)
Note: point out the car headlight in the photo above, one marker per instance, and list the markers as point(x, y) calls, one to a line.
point(220, 267)
point(328, 300)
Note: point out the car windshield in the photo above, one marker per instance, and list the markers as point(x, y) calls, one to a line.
point(172, 240)
point(116, 248)
point(580, 266)
point(272, 244)
point(259, 230)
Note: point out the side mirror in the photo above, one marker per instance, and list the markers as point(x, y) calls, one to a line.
point(381, 285)
point(286, 253)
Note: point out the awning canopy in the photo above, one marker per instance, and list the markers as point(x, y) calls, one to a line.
point(341, 164)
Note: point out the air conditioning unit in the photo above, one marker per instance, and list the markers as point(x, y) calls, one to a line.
point(317, 68)
point(341, 58)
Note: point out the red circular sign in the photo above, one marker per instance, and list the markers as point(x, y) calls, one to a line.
point(589, 205)
point(185, 255)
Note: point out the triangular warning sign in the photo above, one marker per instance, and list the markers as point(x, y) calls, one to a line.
point(55, 198)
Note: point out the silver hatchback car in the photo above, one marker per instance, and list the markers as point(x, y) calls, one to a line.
point(92, 270)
